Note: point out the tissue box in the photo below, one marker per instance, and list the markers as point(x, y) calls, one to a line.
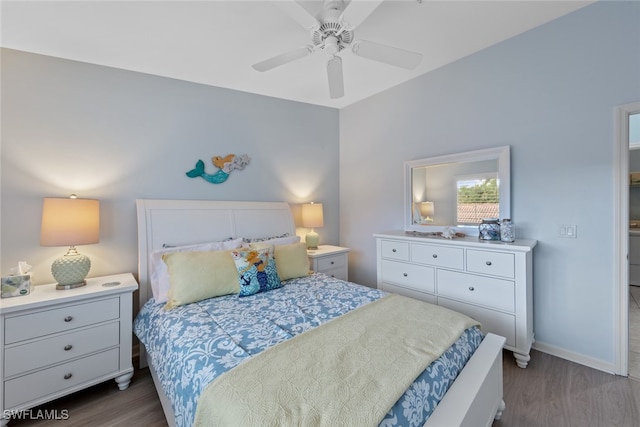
point(15, 286)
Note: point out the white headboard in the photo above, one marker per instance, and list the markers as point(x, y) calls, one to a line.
point(181, 222)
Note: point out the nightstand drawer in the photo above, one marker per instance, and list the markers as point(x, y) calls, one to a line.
point(27, 388)
point(409, 275)
point(494, 263)
point(439, 256)
point(19, 328)
point(395, 250)
point(338, 273)
point(479, 290)
point(331, 262)
point(38, 354)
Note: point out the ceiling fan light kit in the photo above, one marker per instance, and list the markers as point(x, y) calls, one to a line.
point(332, 31)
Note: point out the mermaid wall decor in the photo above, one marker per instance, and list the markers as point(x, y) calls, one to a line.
point(224, 164)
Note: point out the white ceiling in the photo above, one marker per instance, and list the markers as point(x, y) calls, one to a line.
point(216, 42)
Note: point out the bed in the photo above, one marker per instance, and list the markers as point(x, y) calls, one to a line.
point(474, 388)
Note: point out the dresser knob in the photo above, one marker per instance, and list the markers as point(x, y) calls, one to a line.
point(405, 274)
point(332, 262)
point(435, 255)
point(488, 262)
point(393, 250)
point(67, 376)
point(68, 319)
point(68, 347)
point(471, 288)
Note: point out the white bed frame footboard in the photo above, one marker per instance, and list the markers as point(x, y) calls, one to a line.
point(474, 399)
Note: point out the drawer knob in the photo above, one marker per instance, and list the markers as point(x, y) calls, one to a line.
point(332, 262)
point(393, 250)
point(471, 288)
point(405, 274)
point(67, 376)
point(435, 255)
point(68, 319)
point(68, 347)
point(488, 262)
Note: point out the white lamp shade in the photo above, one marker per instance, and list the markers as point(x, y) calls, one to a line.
point(426, 209)
point(70, 222)
point(312, 215)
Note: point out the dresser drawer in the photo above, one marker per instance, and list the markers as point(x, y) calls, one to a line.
point(27, 326)
point(479, 290)
point(491, 321)
point(439, 256)
point(56, 379)
point(413, 276)
point(38, 354)
point(494, 263)
point(331, 262)
point(390, 287)
point(395, 250)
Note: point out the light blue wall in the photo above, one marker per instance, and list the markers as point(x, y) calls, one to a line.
point(550, 94)
point(116, 136)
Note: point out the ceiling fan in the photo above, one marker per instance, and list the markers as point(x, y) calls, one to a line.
point(332, 30)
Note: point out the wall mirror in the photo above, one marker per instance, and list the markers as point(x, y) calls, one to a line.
point(457, 190)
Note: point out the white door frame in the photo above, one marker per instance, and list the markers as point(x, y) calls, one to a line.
point(621, 234)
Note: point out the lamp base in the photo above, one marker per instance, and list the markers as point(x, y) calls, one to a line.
point(71, 269)
point(312, 239)
point(74, 285)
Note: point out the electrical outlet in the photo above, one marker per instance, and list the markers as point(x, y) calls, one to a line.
point(569, 231)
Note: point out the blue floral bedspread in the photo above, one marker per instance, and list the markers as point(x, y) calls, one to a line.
point(193, 344)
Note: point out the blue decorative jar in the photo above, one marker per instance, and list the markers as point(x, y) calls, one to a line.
point(489, 229)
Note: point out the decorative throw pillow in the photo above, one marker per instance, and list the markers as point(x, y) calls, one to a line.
point(256, 270)
point(195, 276)
point(292, 260)
point(159, 277)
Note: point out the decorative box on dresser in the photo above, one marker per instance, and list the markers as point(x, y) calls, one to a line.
point(56, 342)
point(487, 280)
point(331, 260)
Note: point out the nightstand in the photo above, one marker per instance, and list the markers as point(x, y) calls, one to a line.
point(331, 260)
point(56, 342)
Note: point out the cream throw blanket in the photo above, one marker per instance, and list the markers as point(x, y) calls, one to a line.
point(349, 371)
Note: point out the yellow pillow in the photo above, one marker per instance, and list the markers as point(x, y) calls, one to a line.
point(194, 276)
point(292, 260)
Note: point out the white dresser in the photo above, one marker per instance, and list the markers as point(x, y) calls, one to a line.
point(489, 281)
point(55, 342)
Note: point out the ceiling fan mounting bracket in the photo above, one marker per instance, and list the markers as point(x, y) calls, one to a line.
point(329, 30)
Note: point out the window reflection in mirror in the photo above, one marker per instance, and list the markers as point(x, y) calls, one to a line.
point(457, 190)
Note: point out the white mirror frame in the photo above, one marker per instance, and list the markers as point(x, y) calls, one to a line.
point(502, 154)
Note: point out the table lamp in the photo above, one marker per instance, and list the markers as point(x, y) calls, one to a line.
point(427, 211)
point(312, 218)
point(70, 222)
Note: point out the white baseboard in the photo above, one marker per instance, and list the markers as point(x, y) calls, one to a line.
point(562, 353)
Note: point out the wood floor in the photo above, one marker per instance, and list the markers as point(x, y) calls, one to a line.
point(551, 392)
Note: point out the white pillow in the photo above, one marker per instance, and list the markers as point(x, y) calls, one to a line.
point(160, 275)
point(288, 240)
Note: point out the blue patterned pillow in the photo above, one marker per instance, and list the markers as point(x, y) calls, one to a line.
point(256, 270)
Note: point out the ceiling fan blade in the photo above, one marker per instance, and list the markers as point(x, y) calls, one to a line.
point(336, 81)
point(299, 14)
point(282, 59)
point(357, 11)
point(387, 54)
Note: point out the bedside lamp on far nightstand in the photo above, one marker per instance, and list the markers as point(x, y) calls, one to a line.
point(70, 222)
point(312, 218)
